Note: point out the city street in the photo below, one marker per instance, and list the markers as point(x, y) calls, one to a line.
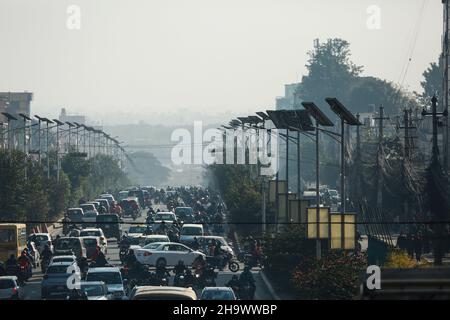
point(32, 290)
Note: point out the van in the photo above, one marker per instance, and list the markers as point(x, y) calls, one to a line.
point(110, 224)
point(69, 245)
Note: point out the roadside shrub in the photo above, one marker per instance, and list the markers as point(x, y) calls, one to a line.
point(335, 276)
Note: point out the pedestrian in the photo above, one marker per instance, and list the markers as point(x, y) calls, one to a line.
point(418, 247)
point(410, 245)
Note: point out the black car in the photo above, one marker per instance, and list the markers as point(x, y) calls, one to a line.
point(110, 224)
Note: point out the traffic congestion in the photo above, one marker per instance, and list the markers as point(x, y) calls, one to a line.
point(141, 243)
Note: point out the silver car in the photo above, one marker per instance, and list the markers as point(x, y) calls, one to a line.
point(9, 288)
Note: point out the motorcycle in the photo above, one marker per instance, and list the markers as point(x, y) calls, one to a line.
point(206, 279)
point(123, 253)
point(22, 275)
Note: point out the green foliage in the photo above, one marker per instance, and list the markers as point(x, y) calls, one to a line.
point(331, 73)
point(241, 192)
point(432, 82)
point(59, 195)
point(335, 276)
point(12, 186)
point(26, 194)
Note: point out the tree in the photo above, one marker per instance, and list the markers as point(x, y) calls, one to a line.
point(241, 192)
point(432, 82)
point(331, 73)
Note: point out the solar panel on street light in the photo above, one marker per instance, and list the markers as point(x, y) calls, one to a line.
point(59, 123)
point(263, 115)
point(9, 116)
point(317, 114)
point(342, 112)
point(23, 115)
point(278, 121)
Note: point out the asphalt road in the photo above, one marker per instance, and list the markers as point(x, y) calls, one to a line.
point(32, 289)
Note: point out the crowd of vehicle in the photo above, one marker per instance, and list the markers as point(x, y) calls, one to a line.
point(175, 253)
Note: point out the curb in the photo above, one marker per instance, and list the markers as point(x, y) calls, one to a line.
point(269, 286)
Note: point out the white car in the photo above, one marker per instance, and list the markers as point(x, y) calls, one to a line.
point(108, 197)
point(95, 290)
point(95, 232)
point(41, 239)
point(190, 231)
point(55, 259)
point(146, 240)
point(166, 254)
point(111, 276)
point(167, 217)
point(9, 288)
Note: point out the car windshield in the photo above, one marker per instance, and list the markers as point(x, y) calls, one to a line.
point(183, 211)
point(191, 231)
point(213, 241)
point(90, 233)
point(152, 240)
point(66, 243)
point(93, 290)
point(57, 269)
point(7, 284)
point(87, 207)
point(164, 217)
point(90, 214)
point(152, 246)
point(56, 259)
point(217, 295)
point(90, 242)
point(40, 238)
point(106, 218)
point(106, 277)
point(137, 230)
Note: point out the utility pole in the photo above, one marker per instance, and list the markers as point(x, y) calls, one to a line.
point(439, 214)
point(380, 119)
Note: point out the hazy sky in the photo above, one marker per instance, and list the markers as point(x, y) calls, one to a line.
point(213, 56)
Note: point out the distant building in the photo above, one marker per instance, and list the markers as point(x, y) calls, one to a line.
point(15, 103)
point(64, 117)
point(287, 102)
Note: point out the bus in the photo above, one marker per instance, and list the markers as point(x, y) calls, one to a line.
point(13, 239)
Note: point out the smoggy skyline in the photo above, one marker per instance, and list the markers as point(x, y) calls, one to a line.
point(208, 56)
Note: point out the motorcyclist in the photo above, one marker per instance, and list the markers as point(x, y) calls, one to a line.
point(218, 254)
point(47, 253)
point(25, 262)
point(195, 244)
point(101, 209)
point(11, 265)
point(130, 259)
point(161, 272)
point(199, 265)
point(233, 283)
point(101, 261)
point(163, 227)
point(180, 268)
point(246, 278)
